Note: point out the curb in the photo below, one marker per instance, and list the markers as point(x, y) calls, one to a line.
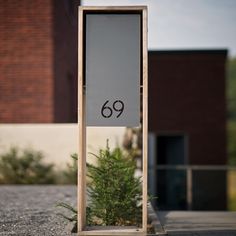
point(155, 222)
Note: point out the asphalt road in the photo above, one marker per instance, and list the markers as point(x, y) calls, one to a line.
point(30, 210)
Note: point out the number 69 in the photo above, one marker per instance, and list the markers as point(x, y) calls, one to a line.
point(107, 111)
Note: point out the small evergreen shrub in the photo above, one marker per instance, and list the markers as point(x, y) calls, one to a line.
point(114, 192)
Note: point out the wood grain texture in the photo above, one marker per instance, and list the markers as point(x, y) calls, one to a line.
point(112, 230)
point(113, 8)
point(145, 117)
point(82, 132)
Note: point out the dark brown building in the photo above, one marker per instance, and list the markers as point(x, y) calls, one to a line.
point(38, 61)
point(187, 115)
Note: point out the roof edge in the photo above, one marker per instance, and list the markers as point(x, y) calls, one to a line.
point(221, 51)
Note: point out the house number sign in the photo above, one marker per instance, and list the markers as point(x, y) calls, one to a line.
point(112, 74)
point(112, 69)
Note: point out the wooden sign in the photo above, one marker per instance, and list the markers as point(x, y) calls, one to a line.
point(112, 76)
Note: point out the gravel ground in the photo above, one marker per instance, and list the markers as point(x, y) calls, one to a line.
point(30, 210)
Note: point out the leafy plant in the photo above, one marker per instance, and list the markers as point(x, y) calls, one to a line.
point(25, 167)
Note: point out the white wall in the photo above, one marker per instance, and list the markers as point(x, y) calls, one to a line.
point(56, 141)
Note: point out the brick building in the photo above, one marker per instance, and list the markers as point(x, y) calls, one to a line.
point(38, 61)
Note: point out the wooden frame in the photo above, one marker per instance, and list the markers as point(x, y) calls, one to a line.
point(81, 194)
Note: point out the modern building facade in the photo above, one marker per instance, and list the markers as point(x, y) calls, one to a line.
point(187, 115)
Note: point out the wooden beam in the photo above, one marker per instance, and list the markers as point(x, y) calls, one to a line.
point(81, 200)
point(113, 230)
point(113, 8)
point(145, 116)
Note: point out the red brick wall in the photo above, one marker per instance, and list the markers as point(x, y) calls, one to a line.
point(187, 95)
point(26, 82)
point(38, 61)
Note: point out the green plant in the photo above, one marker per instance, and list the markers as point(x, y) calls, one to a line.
point(25, 167)
point(70, 173)
point(231, 89)
point(114, 192)
point(231, 183)
point(231, 105)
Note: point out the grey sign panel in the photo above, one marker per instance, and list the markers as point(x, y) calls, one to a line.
point(112, 70)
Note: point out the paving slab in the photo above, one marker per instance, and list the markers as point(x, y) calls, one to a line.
point(30, 210)
point(198, 223)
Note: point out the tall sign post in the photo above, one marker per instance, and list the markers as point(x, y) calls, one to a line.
point(112, 88)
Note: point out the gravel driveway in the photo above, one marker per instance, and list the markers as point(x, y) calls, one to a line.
point(30, 210)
